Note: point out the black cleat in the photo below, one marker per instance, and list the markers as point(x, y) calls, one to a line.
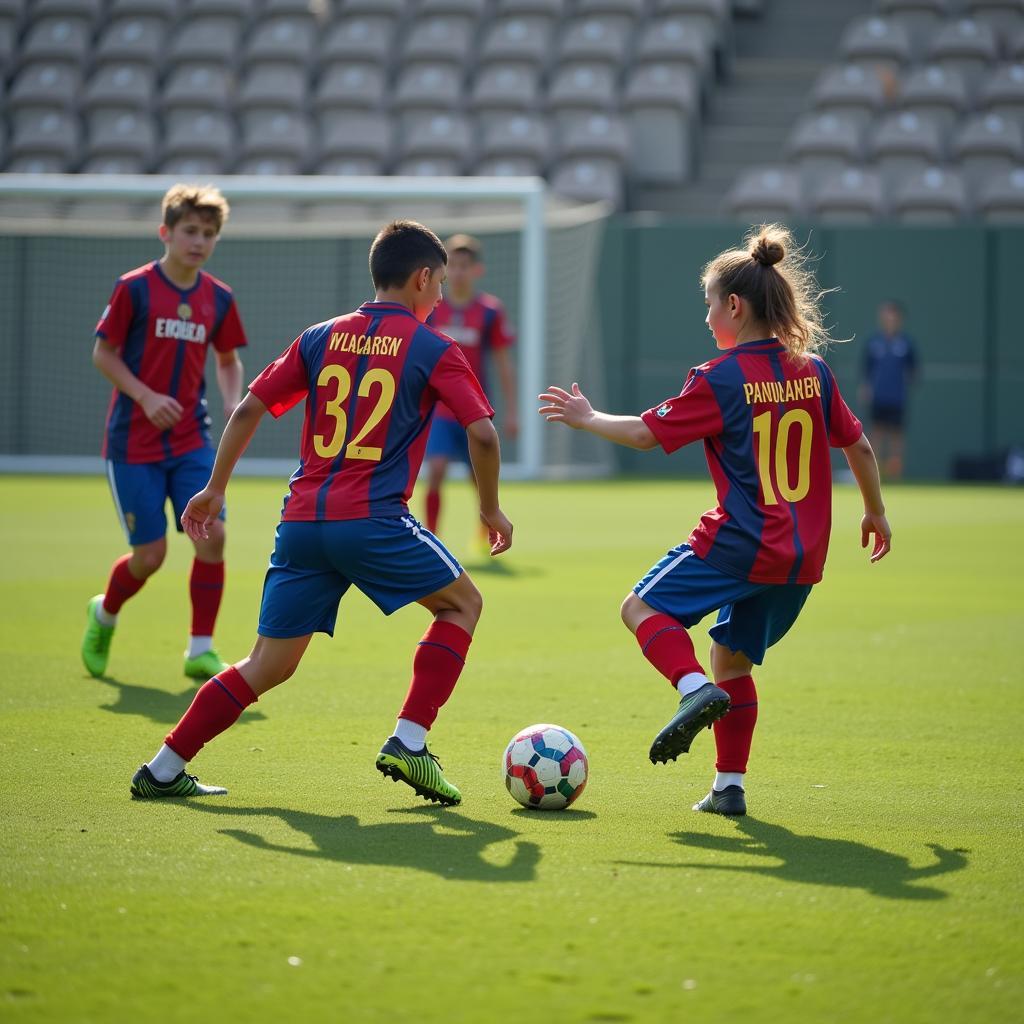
point(697, 710)
point(731, 800)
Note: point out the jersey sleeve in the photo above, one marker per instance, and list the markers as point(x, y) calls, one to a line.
point(844, 428)
point(455, 384)
point(230, 333)
point(284, 383)
point(692, 415)
point(117, 317)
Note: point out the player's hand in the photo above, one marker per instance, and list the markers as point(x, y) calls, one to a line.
point(499, 530)
point(562, 407)
point(162, 411)
point(879, 526)
point(201, 510)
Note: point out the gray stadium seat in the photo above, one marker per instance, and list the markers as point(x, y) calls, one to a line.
point(440, 38)
point(1001, 198)
point(121, 84)
point(118, 132)
point(630, 8)
point(674, 41)
point(132, 39)
point(967, 46)
point(553, 10)
point(57, 38)
point(347, 136)
point(1005, 16)
point(350, 87)
point(428, 167)
point(273, 84)
point(588, 180)
point(197, 86)
point(206, 38)
point(662, 104)
point(315, 9)
point(525, 38)
point(988, 144)
point(714, 17)
point(935, 92)
point(822, 144)
point(878, 41)
point(238, 9)
point(517, 136)
point(351, 166)
point(269, 135)
point(467, 8)
point(35, 163)
point(8, 34)
point(282, 38)
point(365, 38)
point(383, 8)
point(41, 133)
point(444, 137)
point(199, 134)
point(852, 89)
point(854, 195)
point(271, 163)
point(191, 166)
point(91, 9)
point(45, 84)
point(919, 18)
point(501, 87)
point(166, 9)
point(508, 167)
point(605, 38)
point(115, 163)
point(1014, 46)
point(594, 136)
point(904, 144)
point(582, 87)
point(1003, 91)
point(767, 194)
point(934, 196)
point(427, 87)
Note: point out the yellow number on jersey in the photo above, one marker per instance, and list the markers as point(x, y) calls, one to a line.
point(335, 407)
point(763, 433)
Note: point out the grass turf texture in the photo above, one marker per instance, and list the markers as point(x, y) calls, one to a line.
point(877, 877)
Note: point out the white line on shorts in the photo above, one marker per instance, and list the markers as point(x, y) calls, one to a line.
point(432, 544)
point(117, 499)
point(668, 568)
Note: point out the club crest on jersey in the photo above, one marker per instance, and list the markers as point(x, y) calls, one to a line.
point(184, 311)
point(663, 411)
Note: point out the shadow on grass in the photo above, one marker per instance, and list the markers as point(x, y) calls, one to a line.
point(815, 860)
point(434, 839)
point(158, 705)
point(567, 816)
point(486, 565)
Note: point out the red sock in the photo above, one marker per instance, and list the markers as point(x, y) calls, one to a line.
point(668, 647)
point(433, 509)
point(436, 668)
point(214, 708)
point(205, 587)
point(735, 730)
point(121, 585)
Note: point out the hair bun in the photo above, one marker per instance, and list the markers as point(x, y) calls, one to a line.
point(767, 251)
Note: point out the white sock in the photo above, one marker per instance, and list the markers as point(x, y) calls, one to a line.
point(199, 645)
point(412, 734)
point(691, 682)
point(103, 617)
point(723, 779)
point(166, 765)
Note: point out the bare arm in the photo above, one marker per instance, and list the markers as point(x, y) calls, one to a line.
point(507, 376)
point(861, 458)
point(229, 380)
point(205, 506)
point(162, 411)
point(485, 454)
point(575, 410)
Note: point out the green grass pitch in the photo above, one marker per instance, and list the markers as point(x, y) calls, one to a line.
point(877, 877)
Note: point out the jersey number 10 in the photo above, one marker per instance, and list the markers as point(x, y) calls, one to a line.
point(769, 436)
point(336, 408)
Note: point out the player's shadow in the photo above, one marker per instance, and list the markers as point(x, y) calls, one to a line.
point(499, 566)
point(816, 860)
point(438, 840)
point(158, 705)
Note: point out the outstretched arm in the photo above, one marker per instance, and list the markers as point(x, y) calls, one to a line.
point(229, 380)
point(485, 454)
point(861, 458)
point(574, 410)
point(204, 507)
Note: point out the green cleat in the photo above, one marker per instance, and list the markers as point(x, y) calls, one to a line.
point(696, 710)
point(731, 801)
point(96, 642)
point(146, 787)
point(204, 666)
point(420, 770)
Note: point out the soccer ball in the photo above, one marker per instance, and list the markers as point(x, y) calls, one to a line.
point(545, 767)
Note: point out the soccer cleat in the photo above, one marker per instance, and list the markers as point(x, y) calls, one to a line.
point(96, 642)
point(731, 800)
point(146, 787)
point(696, 710)
point(204, 666)
point(420, 770)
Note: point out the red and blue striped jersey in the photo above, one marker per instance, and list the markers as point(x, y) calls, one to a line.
point(162, 333)
point(371, 380)
point(767, 421)
point(480, 328)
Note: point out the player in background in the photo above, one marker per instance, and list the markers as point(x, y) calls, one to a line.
point(151, 344)
point(370, 381)
point(476, 321)
point(768, 411)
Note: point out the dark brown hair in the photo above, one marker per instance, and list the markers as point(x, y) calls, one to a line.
point(400, 249)
point(467, 244)
point(204, 200)
point(771, 274)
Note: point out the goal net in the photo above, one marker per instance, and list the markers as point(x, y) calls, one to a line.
point(295, 252)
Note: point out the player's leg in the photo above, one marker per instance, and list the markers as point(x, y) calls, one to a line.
point(895, 462)
point(139, 493)
point(188, 476)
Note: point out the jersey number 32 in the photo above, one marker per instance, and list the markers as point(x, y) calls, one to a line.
point(383, 381)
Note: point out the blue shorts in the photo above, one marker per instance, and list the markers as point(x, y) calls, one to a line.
point(141, 490)
point(393, 561)
point(447, 440)
point(751, 616)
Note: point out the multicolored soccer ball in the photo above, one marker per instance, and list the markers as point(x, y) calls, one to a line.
point(545, 767)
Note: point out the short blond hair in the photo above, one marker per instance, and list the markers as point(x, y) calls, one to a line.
point(204, 200)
